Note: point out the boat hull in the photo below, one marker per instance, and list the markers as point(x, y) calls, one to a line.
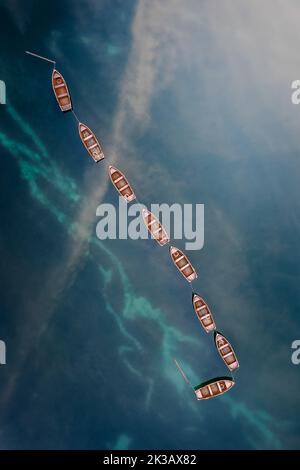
point(183, 264)
point(226, 352)
point(61, 91)
point(155, 228)
point(213, 388)
point(121, 184)
point(203, 313)
point(90, 142)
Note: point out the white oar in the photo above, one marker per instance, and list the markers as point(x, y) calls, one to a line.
point(183, 374)
point(41, 57)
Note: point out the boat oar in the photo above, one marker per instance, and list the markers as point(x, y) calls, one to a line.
point(40, 57)
point(183, 375)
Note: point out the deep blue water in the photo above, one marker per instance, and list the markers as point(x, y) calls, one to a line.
point(192, 101)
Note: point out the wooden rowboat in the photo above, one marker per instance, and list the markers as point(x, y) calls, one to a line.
point(213, 387)
point(121, 184)
point(155, 227)
point(61, 91)
point(203, 313)
point(183, 264)
point(226, 351)
point(90, 142)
